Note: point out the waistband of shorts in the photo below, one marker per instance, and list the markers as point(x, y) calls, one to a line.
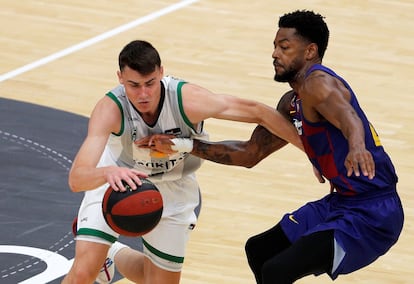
point(369, 195)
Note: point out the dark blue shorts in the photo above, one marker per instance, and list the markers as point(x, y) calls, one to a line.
point(365, 226)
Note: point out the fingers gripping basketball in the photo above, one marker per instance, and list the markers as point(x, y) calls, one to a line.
point(133, 212)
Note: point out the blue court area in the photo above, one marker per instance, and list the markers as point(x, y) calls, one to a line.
point(37, 146)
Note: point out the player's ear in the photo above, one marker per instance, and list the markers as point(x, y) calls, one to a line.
point(119, 73)
point(311, 51)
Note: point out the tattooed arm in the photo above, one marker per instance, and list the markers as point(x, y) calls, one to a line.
point(240, 153)
point(249, 153)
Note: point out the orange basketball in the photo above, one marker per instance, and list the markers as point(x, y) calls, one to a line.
point(133, 212)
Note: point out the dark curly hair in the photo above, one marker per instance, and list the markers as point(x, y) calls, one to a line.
point(308, 25)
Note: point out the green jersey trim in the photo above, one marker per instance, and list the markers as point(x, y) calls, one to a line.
point(180, 105)
point(114, 98)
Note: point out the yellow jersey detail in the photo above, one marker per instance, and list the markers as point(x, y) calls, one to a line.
point(375, 136)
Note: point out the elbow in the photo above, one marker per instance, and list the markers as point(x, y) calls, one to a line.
point(73, 185)
point(250, 164)
point(250, 160)
point(248, 155)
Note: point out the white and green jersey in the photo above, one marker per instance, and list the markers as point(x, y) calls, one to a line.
point(121, 150)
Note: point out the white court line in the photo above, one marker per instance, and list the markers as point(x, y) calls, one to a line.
point(56, 269)
point(96, 39)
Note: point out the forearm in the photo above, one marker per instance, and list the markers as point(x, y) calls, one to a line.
point(239, 153)
point(83, 179)
point(353, 130)
point(224, 152)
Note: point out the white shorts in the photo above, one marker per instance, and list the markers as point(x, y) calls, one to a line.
point(165, 245)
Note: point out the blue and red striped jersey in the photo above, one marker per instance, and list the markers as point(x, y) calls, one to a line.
point(327, 148)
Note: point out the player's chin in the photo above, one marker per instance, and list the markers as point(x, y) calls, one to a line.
point(279, 77)
point(278, 73)
point(143, 106)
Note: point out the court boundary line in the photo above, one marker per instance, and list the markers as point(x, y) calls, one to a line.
point(96, 39)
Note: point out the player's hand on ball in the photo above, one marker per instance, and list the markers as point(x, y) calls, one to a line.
point(115, 175)
point(134, 212)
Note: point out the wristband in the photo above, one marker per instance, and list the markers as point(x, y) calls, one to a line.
point(182, 145)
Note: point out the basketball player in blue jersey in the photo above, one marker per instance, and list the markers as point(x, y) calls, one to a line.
point(147, 102)
point(362, 216)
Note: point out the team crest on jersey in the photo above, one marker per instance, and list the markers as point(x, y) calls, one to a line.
point(298, 124)
point(294, 113)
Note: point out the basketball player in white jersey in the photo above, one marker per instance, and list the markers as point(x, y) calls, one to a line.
point(145, 103)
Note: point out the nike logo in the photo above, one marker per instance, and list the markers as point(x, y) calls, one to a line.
point(292, 218)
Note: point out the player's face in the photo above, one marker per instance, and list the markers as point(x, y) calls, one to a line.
point(288, 55)
point(143, 91)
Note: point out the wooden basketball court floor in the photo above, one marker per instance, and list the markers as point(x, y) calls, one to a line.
point(63, 54)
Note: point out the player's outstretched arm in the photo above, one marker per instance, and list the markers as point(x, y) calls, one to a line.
point(229, 152)
point(249, 153)
point(200, 104)
point(239, 153)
